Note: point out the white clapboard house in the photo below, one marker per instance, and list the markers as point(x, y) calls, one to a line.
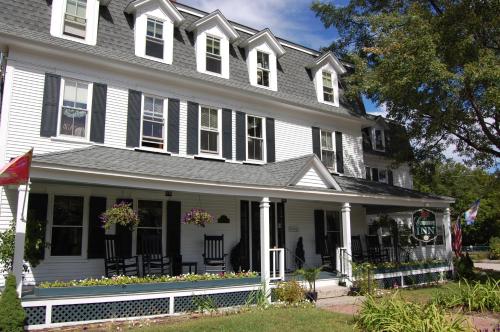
point(171, 108)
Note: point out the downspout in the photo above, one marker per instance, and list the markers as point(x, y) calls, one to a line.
point(3, 66)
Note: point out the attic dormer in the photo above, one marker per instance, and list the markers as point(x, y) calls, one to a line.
point(154, 28)
point(213, 35)
point(263, 51)
point(326, 70)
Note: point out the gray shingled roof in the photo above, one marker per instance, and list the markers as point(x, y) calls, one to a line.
point(278, 174)
point(30, 20)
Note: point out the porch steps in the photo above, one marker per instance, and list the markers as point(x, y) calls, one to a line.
point(327, 292)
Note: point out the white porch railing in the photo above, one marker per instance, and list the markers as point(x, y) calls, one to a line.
point(343, 262)
point(277, 264)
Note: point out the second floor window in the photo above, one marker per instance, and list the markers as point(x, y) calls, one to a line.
point(379, 140)
point(327, 151)
point(255, 138)
point(263, 71)
point(74, 110)
point(153, 123)
point(327, 87)
point(209, 130)
point(154, 38)
point(75, 21)
point(213, 59)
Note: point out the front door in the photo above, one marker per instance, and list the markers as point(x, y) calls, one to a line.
point(333, 234)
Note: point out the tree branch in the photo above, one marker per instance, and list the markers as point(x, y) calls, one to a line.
point(493, 139)
point(436, 7)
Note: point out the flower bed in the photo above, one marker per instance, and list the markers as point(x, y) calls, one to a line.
point(389, 267)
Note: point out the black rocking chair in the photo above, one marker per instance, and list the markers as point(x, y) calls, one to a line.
point(357, 249)
point(214, 257)
point(117, 264)
point(375, 252)
point(153, 260)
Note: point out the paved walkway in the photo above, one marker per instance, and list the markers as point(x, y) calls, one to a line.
point(343, 304)
point(488, 265)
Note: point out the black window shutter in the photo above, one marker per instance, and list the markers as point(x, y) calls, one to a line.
point(50, 106)
point(124, 234)
point(316, 136)
point(368, 172)
point(375, 174)
point(390, 177)
point(245, 235)
point(134, 118)
point(270, 140)
point(173, 244)
point(272, 225)
point(241, 146)
point(319, 229)
point(98, 119)
point(173, 125)
point(227, 133)
point(192, 128)
point(97, 205)
point(35, 228)
point(339, 152)
point(281, 225)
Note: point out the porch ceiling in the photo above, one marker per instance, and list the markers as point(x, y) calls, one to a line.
point(137, 169)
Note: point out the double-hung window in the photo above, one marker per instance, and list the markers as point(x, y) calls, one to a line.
point(74, 110)
point(327, 87)
point(213, 57)
point(263, 71)
point(154, 38)
point(379, 140)
point(153, 123)
point(209, 130)
point(327, 151)
point(149, 229)
point(75, 21)
point(67, 226)
point(255, 137)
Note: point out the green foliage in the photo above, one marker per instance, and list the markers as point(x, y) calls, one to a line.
point(258, 298)
point(472, 296)
point(495, 248)
point(363, 274)
point(124, 280)
point(7, 240)
point(290, 292)
point(12, 315)
point(464, 267)
point(394, 314)
point(433, 64)
point(205, 304)
point(465, 185)
point(310, 275)
point(120, 214)
point(34, 243)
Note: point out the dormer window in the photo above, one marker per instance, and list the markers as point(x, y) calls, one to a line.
point(263, 71)
point(154, 38)
point(75, 20)
point(379, 140)
point(213, 58)
point(327, 150)
point(327, 87)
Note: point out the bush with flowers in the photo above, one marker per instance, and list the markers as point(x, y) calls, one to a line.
point(120, 214)
point(198, 217)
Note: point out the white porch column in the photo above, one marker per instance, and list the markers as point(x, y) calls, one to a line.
point(447, 232)
point(21, 215)
point(346, 236)
point(265, 267)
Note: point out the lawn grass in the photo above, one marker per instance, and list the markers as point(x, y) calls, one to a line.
point(272, 319)
point(424, 294)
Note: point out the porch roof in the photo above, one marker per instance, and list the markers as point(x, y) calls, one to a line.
point(273, 179)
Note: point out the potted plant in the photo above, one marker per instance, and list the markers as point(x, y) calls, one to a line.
point(197, 217)
point(120, 214)
point(310, 275)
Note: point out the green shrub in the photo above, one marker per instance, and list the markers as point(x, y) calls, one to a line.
point(363, 274)
point(290, 292)
point(7, 240)
point(464, 267)
point(495, 248)
point(393, 314)
point(472, 296)
point(12, 315)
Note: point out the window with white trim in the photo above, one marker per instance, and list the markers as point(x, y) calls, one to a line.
point(327, 87)
point(153, 123)
point(154, 38)
point(379, 140)
point(75, 112)
point(209, 130)
point(67, 226)
point(263, 71)
point(150, 213)
point(327, 149)
point(213, 57)
point(75, 18)
point(255, 138)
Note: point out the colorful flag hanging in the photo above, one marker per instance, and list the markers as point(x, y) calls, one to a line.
point(457, 238)
point(471, 213)
point(17, 171)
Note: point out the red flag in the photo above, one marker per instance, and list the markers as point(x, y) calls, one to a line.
point(17, 171)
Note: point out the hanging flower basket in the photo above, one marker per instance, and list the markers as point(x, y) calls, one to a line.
point(120, 214)
point(198, 217)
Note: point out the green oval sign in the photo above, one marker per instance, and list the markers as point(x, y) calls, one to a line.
point(424, 225)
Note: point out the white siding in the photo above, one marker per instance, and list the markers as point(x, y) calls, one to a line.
point(116, 117)
point(402, 174)
point(353, 154)
point(311, 179)
point(183, 128)
point(292, 140)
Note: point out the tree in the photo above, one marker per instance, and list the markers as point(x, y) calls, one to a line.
point(465, 185)
point(433, 64)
